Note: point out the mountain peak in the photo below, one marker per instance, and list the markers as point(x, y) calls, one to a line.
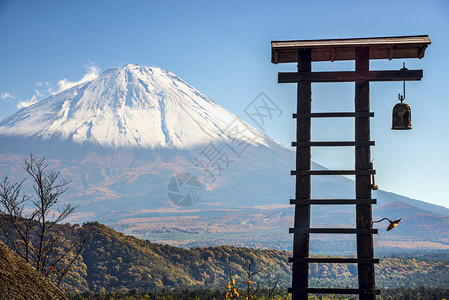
point(132, 106)
point(131, 65)
point(136, 68)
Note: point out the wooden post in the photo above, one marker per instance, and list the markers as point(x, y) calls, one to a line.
point(300, 270)
point(363, 182)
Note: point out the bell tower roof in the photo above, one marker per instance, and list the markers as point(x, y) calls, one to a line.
point(344, 49)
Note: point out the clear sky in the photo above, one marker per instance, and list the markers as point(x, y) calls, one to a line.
point(222, 48)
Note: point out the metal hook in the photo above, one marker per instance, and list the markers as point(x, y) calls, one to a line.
point(373, 184)
point(402, 97)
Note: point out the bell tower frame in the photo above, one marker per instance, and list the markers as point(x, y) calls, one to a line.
point(361, 50)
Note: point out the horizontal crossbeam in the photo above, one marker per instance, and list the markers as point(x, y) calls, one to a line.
point(332, 172)
point(334, 230)
point(332, 201)
point(333, 115)
point(350, 76)
point(336, 291)
point(332, 144)
point(334, 260)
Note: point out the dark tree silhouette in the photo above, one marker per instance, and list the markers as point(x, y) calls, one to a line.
point(27, 221)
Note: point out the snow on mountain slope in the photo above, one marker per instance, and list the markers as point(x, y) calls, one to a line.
point(132, 106)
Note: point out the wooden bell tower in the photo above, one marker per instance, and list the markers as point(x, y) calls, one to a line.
point(361, 50)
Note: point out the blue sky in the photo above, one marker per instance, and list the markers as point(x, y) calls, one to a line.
point(223, 50)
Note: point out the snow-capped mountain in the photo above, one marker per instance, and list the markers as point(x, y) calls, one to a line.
point(126, 140)
point(132, 106)
point(133, 129)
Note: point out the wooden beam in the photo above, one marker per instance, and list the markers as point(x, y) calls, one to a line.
point(365, 245)
point(332, 172)
point(421, 52)
point(332, 201)
point(334, 260)
point(350, 76)
point(333, 144)
point(344, 49)
point(333, 115)
point(334, 231)
point(300, 270)
point(338, 291)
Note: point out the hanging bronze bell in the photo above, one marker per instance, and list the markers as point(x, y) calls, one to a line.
point(402, 117)
point(402, 112)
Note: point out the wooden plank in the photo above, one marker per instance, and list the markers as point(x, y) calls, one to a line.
point(338, 291)
point(334, 231)
point(285, 56)
point(334, 260)
point(332, 172)
point(333, 144)
point(332, 201)
point(354, 42)
point(300, 270)
point(350, 76)
point(333, 115)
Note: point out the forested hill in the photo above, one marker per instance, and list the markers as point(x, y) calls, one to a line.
point(113, 261)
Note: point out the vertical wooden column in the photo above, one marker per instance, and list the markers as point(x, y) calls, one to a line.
point(363, 182)
point(300, 270)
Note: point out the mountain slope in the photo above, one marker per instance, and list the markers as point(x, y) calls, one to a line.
point(19, 280)
point(124, 136)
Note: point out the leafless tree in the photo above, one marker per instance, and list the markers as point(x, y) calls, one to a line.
point(27, 221)
point(252, 287)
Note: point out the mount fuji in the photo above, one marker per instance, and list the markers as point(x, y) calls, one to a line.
point(129, 107)
point(151, 156)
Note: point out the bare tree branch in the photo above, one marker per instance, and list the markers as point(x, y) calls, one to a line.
point(31, 235)
point(271, 290)
point(250, 289)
